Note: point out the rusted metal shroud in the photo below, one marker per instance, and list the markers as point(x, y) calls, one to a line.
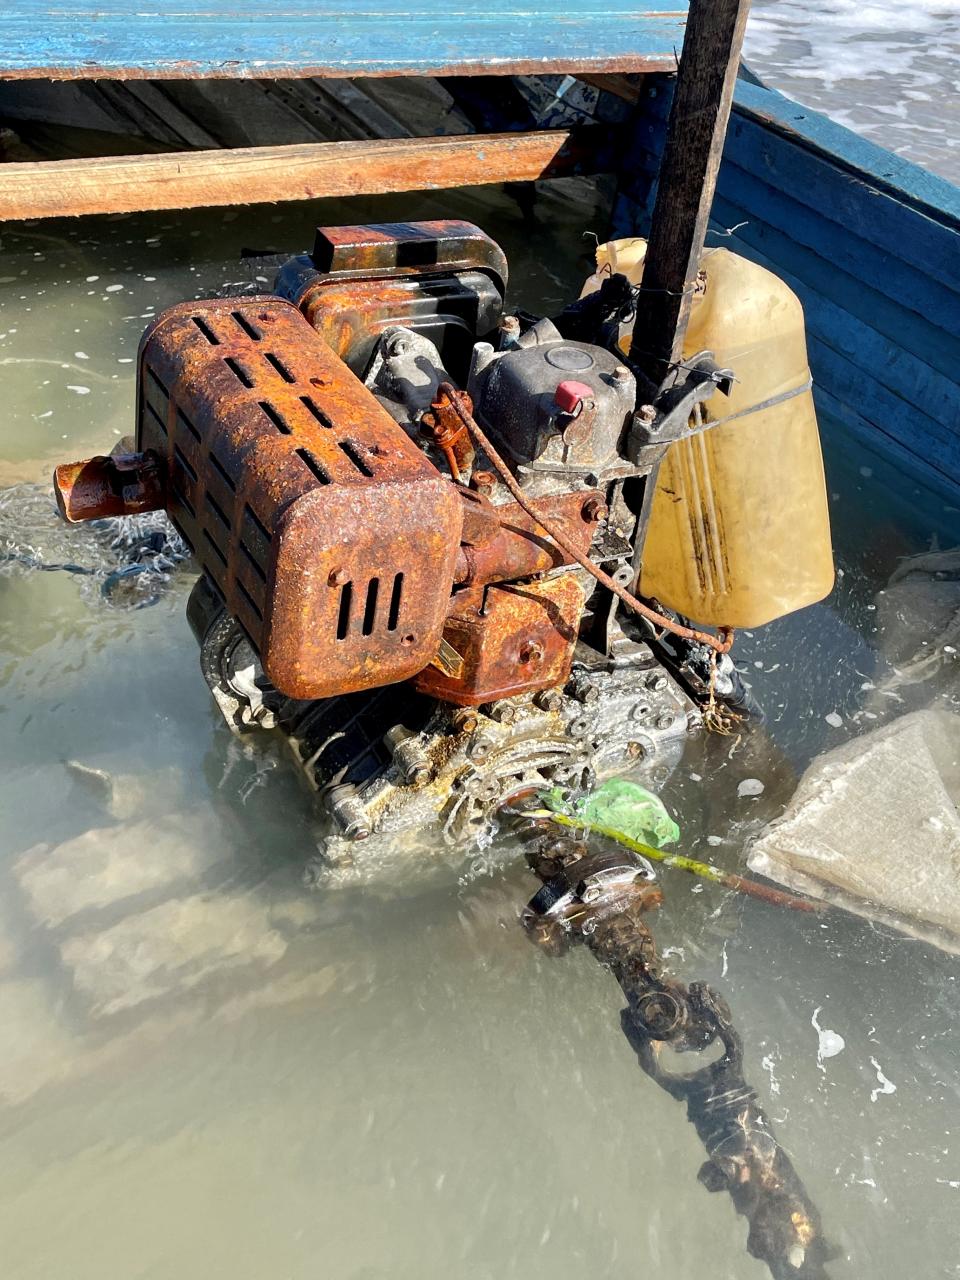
point(436, 276)
point(439, 245)
point(325, 528)
point(326, 531)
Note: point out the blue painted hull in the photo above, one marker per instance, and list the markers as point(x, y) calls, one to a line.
point(869, 242)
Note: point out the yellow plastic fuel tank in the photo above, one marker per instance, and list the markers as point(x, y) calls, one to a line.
point(739, 532)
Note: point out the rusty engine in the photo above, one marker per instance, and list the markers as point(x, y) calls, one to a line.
point(412, 513)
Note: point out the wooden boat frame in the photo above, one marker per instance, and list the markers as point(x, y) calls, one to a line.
point(870, 242)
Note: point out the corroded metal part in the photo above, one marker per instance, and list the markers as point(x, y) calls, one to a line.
point(350, 314)
point(542, 742)
point(598, 898)
point(512, 638)
point(439, 246)
point(123, 484)
point(515, 546)
point(444, 279)
point(327, 532)
point(444, 426)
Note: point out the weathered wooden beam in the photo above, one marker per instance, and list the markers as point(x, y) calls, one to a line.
point(627, 87)
point(306, 171)
point(688, 179)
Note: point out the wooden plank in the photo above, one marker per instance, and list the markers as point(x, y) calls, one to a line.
point(244, 113)
point(939, 446)
point(931, 470)
point(628, 87)
point(854, 201)
point(842, 178)
point(911, 255)
point(307, 171)
point(688, 177)
point(151, 114)
point(123, 39)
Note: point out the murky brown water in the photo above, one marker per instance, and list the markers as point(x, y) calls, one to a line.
point(209, 1071)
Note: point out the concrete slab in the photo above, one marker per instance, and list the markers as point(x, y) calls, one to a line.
point(874, 827)
point(110, 864)
point(171, 949)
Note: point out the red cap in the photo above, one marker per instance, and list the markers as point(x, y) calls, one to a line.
point(569, 395)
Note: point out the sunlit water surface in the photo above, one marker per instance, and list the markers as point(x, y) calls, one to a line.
point(887, 70)
point(211, 1072)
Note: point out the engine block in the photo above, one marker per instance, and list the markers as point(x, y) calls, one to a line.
point(419, 608)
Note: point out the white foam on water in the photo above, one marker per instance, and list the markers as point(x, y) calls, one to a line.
point(887, 70)
point(830, 1042)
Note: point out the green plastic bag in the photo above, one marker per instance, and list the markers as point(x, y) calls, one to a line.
point(620, 807)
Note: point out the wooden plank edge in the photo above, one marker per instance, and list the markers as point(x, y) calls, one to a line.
point(303, 171)
point(237, 69)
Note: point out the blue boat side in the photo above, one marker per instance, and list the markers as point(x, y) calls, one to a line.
point(118, 39)
point(868, 241)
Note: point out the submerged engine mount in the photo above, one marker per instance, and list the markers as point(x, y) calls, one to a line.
point(401, 603)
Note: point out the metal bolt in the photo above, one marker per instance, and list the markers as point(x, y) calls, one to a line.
point(338, 578)
point(641, 711)
point(505, 712)
point(665, 721)
point(584, 690)
point(592, 893)
point(549, 700)
point(636, 750)
point(646, 414)
point(483, 481)
point(479, 748)
point(621, 374)
point(466, 720)
point(656, 682)
point(594, 510)
point(409, 756)
point(398, 345)
point(348, 811)
point(531, 651)
point(510, 326)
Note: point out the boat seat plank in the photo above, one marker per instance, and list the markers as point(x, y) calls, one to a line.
point(120, 39)
point(306, 171)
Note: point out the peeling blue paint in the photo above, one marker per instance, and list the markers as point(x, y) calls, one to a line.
point(117, 38)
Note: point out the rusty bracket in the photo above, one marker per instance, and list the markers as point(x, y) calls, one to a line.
point(442, 425)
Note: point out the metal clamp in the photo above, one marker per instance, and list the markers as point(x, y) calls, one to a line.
point(671, 417)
